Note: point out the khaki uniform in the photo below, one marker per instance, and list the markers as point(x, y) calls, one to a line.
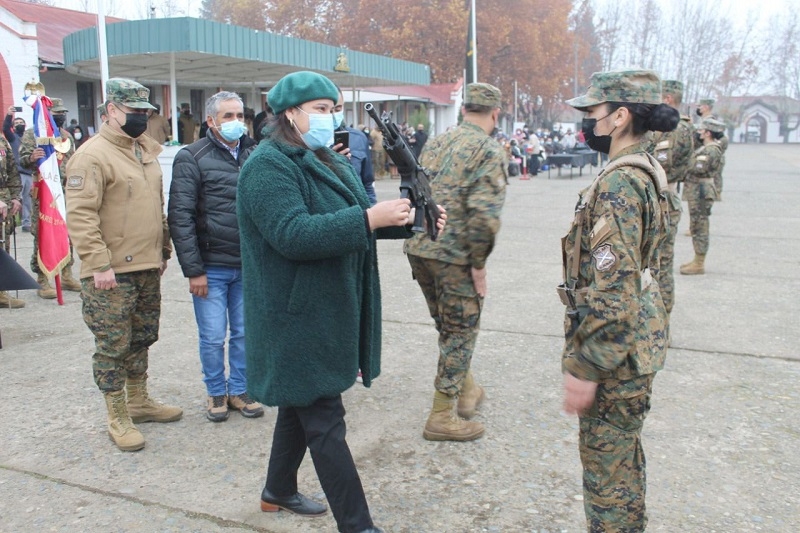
point(26, 148)
point(115, 215)
point(468, 177)
point(158, 128)
point(615, 330)
point(673, 150)
point(10, 187)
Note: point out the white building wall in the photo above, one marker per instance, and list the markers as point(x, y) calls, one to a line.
point(20, 51)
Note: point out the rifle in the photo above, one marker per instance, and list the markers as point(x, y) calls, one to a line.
point(414, 179)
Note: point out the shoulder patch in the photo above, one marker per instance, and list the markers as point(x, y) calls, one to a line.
point(604, 258)
point(75, 181)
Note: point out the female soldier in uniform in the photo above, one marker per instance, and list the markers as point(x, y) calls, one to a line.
point(616, 321)
point(700, 190)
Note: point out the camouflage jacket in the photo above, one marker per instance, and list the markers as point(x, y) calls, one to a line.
point(28, 145)
point(468, 172)
point(621, 333)
point(706, 163)
point(10, 184)
point(673, 150)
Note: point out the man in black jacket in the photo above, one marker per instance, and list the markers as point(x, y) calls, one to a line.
point(204, 229)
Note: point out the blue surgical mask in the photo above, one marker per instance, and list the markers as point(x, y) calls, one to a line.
point(338, 118)
point(320, 130)
point(231, 131)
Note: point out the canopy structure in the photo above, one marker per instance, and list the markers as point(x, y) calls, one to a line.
point(207, 53)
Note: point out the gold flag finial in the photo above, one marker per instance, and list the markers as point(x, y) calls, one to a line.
point(34, 87)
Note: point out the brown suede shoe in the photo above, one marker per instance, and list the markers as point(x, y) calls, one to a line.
point(217, 408)
point(246, 405)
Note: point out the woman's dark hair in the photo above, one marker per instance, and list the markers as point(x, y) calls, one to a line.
point(649, 117)
point(280, 129)
point(717, 135)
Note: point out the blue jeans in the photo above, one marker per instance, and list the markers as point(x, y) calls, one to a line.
point(223, 304)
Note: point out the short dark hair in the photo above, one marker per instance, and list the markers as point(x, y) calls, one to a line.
point(479, 109)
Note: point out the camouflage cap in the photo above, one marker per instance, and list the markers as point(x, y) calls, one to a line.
point(58, 106)
point(483, 94)
point(626, 86)
point(128, 93)
point(712, 124)
point(672, 87)
point(707, 101)
point(102, 108)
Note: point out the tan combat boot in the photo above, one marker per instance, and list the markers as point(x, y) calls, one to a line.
point(6, 300)
point(68, 281)
point(143, 408)
point(695, 266)
point(120, 426)
point(472, 396)
point(444, 424)
point(46, 291)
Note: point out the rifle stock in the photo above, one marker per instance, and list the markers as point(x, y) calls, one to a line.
point(414, 182)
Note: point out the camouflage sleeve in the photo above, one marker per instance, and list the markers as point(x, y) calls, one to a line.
point(483, 205)
point(612, 267)
point(26, 148)
point(13, 182)
point(683, 147)
point(86, 184)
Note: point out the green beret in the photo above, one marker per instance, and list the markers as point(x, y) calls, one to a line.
point(707, 101)
point(298, 88)
point(672, 87)
point(712, 124)
point(623, 86)
point(483, 94)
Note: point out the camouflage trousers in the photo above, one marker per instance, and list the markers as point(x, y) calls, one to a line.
point(8, 233)
point(35, 232)
point(124, 321)
point(699, 212)
point(614, 479)
point(666, 276)
point(456, 311)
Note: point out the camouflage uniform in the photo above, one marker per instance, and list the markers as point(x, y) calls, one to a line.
point(723, 145)
point(10, 186)
point(468, 170)
point(27, 146)
point(615, 327)
point(699, 190)
point(673, 150)
point(124, 320)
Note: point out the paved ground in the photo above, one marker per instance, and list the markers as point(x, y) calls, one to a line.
point(721, 440)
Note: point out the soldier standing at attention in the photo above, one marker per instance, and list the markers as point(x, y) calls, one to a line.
point(673, 150)
point(616, 322)
point(115, 216)
point(469, 172)
point(704, 110)
point(700, 191)
point(29, 154)
point(10, 205)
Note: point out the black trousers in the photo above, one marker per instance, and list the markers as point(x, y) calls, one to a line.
point(319, 427)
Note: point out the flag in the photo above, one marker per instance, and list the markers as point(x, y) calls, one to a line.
point(52, 223)
point(472, 52)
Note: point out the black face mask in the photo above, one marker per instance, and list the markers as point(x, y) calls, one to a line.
point(598, 143)
point(19, 130)
point(135, 124)
point(60, 120)
point(699, 113)
point(698, 140)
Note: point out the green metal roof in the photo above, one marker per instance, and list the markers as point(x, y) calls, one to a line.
point(212, 53)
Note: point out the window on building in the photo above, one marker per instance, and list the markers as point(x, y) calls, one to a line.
point(86, 105)
point(198, 102)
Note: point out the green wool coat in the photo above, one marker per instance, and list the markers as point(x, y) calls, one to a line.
point(310, 271)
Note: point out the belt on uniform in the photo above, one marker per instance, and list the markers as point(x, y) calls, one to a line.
point(580, 296)
point(700, 180)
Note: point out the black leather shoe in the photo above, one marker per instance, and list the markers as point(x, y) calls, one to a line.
point(297, 504)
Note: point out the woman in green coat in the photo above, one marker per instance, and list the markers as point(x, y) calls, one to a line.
point(312, 294)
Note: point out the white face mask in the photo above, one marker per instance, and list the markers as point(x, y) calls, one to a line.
point(77, 135)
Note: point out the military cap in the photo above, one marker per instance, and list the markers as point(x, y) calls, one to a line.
point(58, 106)
point(626, 86)
point(712, 124)
point(128, 93)
point(483, 94)
point(102, 108)
point(707, 101)
point(300, 87)
point(672, 87)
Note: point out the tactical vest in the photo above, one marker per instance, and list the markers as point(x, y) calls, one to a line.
point(575, 299)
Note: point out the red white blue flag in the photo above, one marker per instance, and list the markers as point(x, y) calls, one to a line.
point(52, 223)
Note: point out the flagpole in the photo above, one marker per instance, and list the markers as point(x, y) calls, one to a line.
point(102, 46)
point(475, 43)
